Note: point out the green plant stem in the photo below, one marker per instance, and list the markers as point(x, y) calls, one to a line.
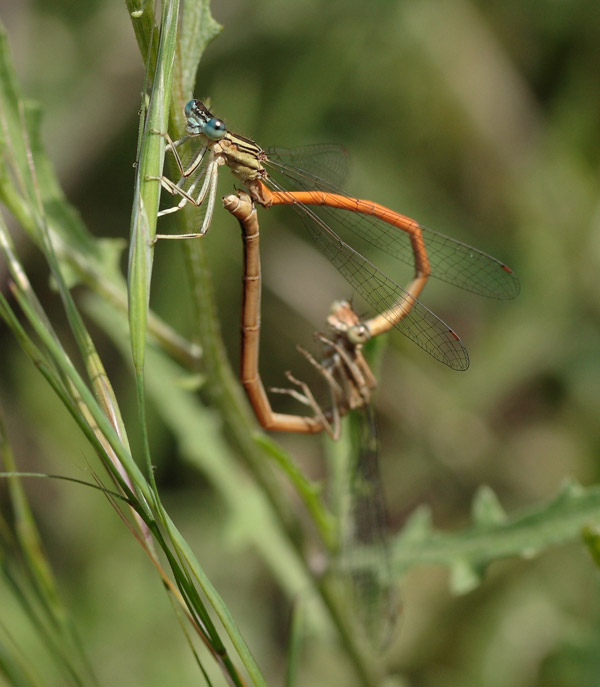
point(223, 388)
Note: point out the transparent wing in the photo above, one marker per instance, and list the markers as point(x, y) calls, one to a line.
point(451, 261)
point(419, 324)
point(365, 546)
point(315, 167)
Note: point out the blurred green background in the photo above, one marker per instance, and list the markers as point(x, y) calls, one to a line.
point(481, 119)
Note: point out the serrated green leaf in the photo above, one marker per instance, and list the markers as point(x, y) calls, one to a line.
point(418, 527)
point(486, 508)
point(464, 577)
point(469, 552)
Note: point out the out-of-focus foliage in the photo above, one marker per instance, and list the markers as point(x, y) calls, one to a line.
point(481, 119)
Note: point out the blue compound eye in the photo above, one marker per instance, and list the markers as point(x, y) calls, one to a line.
point(189, 108)
point(215, 129)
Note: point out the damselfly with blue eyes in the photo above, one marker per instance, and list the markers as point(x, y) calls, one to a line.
point(298, 178)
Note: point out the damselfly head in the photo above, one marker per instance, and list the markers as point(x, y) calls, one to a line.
point(343, 320)
point(358, 334)
point(341, 316)
point(201, 121)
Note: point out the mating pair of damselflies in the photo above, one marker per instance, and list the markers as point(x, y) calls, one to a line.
point(297, 178)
